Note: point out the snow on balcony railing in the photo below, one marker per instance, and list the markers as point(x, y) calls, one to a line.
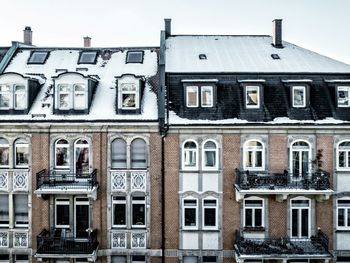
point(128, 180)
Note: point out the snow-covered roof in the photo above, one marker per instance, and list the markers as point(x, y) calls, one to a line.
point(243, 54)
point(105, 70)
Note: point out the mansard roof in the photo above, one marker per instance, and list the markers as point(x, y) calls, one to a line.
point(243, 54)
point(110, 62)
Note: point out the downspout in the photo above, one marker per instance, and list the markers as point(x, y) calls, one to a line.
point(8, 56)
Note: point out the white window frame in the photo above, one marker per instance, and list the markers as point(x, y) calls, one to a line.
point(303, 88)
point(143, 202)
point(187, 99)
point(82, 145)
point(299, 176)
point(9, 94)
point(14, 215)
point(184, 152)
point(126, 152)
point(20, 143)
point(9, 210)
point(119, 202)
point(204, 206)
point(19, 92)
point(347, 156)
point(254, 150)
point(69, 93)
point(62, 201)
point(344, 88)
point(251, 88)
point(346, 208)
point(184, 207)
point(79, 93)
point(136, 92)
point(68, 154)
point(7, 145)
point(211, 96)
point(215, 167)
point(245, 207)
point(299, 217)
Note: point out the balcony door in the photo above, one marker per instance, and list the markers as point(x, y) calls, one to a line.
point(300, 159)
point(81, 217)
point(300, 218)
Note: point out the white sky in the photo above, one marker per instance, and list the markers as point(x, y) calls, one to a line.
point(320, 25)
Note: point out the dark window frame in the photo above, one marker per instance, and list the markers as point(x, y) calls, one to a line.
point(87, 51)
point(29, 62)
point(134, 62)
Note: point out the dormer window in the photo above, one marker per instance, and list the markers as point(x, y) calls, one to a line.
point(20, 97)
point(299, 96)
point(64, 96)
point(343, 96)
point(252, 97)
point(192, 96)
point(134, 57)
point(38, 57)
point(199, 95)
point(5, 96)
point(72, 96)
point(79, 96)
point(129, 94)
point(88, 57)
point(207, 96)
point(13, 96)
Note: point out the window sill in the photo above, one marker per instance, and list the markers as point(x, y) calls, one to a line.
point(254, 229)
point(343, 230)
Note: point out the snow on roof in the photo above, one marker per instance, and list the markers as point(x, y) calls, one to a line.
point(104, 102)
point(243, 54)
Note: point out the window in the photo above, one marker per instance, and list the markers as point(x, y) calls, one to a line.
point(62, 219)
point(209, 214)
point(61, 154)
point(64, 97)
point(343, 96)
point(252, 99)
point(87, 57)
point(5, 96)
point(79, 96)
point(21, 153)
point(300, 218)
point(118, 153)
point(343, 155)
point(192, 96)
point(138, 154)
point(207, 259)
point(190, 259)
point(300, 159)
point(119, 211)
point(207, 96)
point(20, 97)
point(4, 152)
point(299, 96)
point(210, 155)
point(189, 213)
point(4, 211)
point(38, 57)
point(21, 210)
point(253, 155)
point(189, 155)
point(118, 259)
point(134, 57)
point(81, 149)
point(343, 213)
point(253, 213)
point(138, 259)
point(129, 94)
point(138, 211)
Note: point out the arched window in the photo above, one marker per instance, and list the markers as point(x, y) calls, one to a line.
point(300, 159)
point(189, 155)
point(343, 155)
point(253, 155)
point(4, 152)
point(118, 153)
point(62, 154)
point(210, 155)
point(138, 154)
point(81, 155)
point(21, 153)
point(79, 96)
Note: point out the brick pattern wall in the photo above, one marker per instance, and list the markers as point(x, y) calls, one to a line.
point(278, 153)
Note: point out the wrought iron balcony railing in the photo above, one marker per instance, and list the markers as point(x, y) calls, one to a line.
point(49, 243)
point(248, 180)
point(315, 246)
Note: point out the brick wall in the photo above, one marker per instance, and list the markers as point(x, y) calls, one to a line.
point(278, 153)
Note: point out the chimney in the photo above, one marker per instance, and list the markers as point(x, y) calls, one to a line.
point(87, 41)
point(167, 27)
point(277, 33)
point(27, 35)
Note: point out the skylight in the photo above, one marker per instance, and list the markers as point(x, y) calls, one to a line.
point(275, 56)
point(88, 57)
point(134, 57)
point(38, 57)
point(202, 56)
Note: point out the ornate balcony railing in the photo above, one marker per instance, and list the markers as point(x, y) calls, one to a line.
point(315, 246)
point(19, 238)
point(14, 180)
point(49, 243)
point(131, 180)
point(247, 180)
point(134, 239)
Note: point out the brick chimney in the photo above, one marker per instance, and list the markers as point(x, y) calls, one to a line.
point(27, 35)
point(167, 27)
point(277, 33)
point(87, 41)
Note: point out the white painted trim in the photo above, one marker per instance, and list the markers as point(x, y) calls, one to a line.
point(211, 96)
point(299, 217)
point(216, 213)
point(253, 214)
point(208, 168)
point(197, 100)
point(347, 155)
point(303, 88)
point(196, 151)
point(254, 151)
point(257, 88)
point(190, 207)
point(291, 150)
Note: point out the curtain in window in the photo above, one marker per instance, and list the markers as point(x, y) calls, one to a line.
point(138, 154)
point(62, 153)
point(21, 209)
point(22, 153)
point(4, 152)
point(210, 154)
point(190, 154)
point(4, 209)
point(82, 157)
point(118, 153)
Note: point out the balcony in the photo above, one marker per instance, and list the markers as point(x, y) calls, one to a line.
point(57, 245)
point(52, 182)
point(282, 184)
point(128, 181)
point(315, 247)
point(13, 239)
point(128, 239)
point(16, 180)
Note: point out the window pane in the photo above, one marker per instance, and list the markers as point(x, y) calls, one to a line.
point(343, 96)
point(341, 160)
point(79, 97)
point(88, 57)
point(138, 214)
point(82, 159)
point(304, 223)
point(129, 100)
point(252, 96)
point(192, 96)
point(38, 57)
point(348, 212)
point(258, 217)
point(62, 215)
point(207, 96)
point(21, 209)
point(62, 156)
point(248, 217)
point(190, 217)
point(118, 153)
point(305, 166)
point(4, 100)
point(298, 96)
point(119, 214)
point(4, 211)
point(341, 217)
point(64, 101)
point(210, 160)
point(22, 154)
point(138, 154)
point(4, 155)
point(249, 159)
point(258, 159)
point(295, 223)
point(296, 164)
point(20, 100)
point(118, 259)
point(210, 217)
point(134, 57)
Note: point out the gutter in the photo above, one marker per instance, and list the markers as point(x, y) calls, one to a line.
point(9, 54)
